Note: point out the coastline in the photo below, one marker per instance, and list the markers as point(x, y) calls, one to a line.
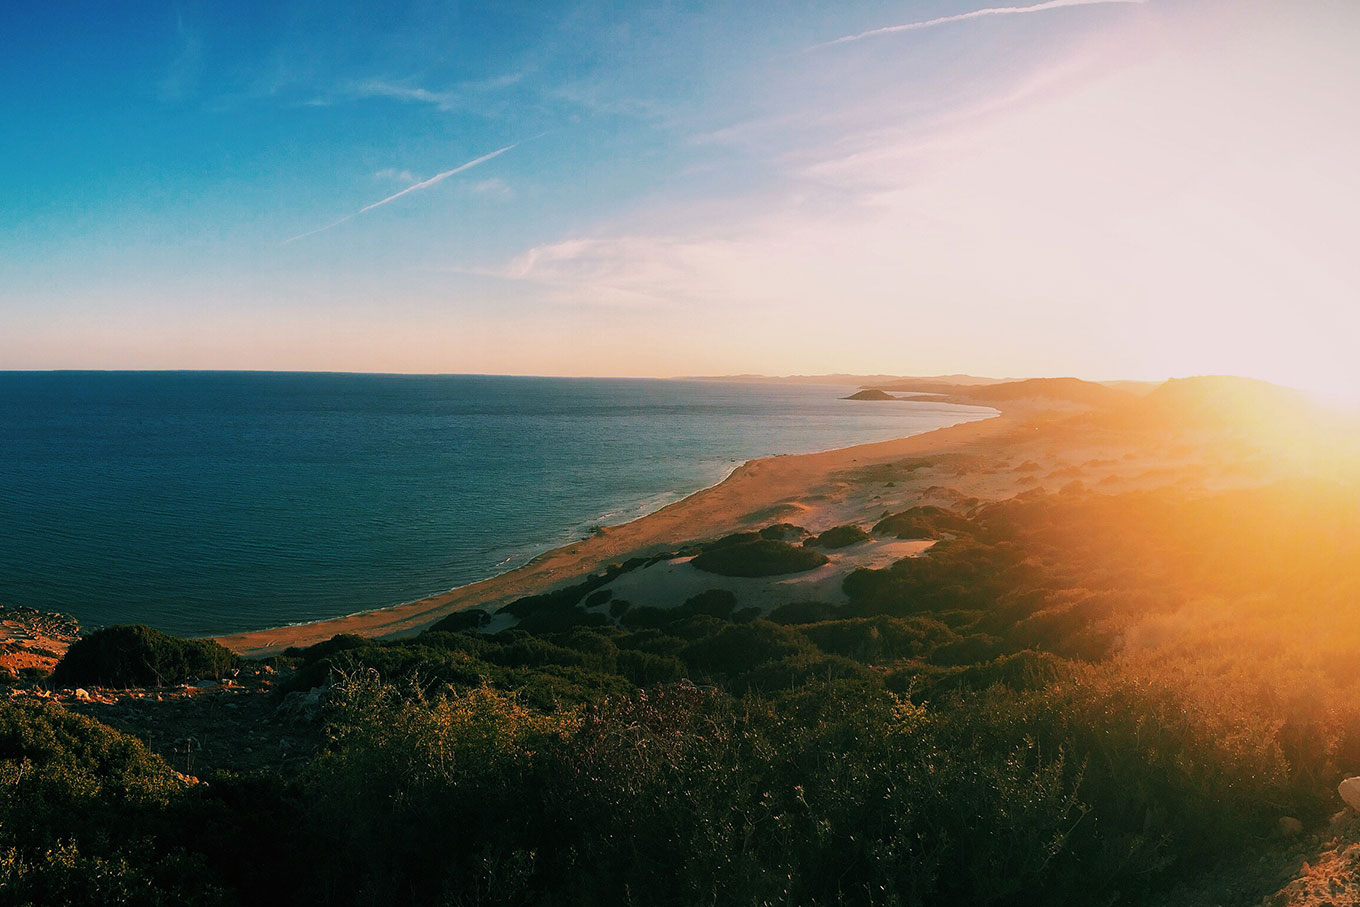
point(757, 492)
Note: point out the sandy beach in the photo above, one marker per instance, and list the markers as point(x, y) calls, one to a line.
point(814, 490)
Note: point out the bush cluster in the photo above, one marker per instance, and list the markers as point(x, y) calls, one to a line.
point(139, 656)
point(758, 557)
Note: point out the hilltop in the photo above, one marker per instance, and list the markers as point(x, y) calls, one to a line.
point(1049, 390)
point(858, 380)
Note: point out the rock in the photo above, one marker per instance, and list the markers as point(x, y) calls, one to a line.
point(1350, 792)
point(83, 695)
point(302, 706)
point(206, 684)
point(1290, 827)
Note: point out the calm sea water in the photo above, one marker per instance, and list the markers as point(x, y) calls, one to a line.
point(213, 502)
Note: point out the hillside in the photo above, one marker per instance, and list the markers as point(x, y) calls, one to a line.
point(1063, 656)
point(858, 380)
point(1064, 390)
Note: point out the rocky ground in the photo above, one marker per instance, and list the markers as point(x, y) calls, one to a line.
point(240, 723)
point(32, 641)
point(1328, 875)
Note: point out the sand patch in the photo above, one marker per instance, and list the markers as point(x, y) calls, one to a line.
point(668, 584)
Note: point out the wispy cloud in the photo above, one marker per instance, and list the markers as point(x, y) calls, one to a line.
point(492, 187)
point(460, 96)
point(182, 77)
point(415, 187)
point(395, 175)
point(963, 17)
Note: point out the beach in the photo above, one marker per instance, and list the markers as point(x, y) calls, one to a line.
point(1029, 445)
point(808, 489)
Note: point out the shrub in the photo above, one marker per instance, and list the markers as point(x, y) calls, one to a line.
point(840, 537)
point(764, 557)
point(645, 669)
point(89, 816)
point(131, 656)
point(646, 617)
point(713, 602)
point(922, 522)
point(460, 621)
point(340, 642)
point(736, 538)
point(802, 613)
point(558, 619)
point(598, 597)
point(737, 648)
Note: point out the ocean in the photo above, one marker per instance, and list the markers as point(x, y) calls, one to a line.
point(216, 502)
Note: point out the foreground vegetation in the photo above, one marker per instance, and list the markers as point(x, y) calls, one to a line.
point(1075, 698)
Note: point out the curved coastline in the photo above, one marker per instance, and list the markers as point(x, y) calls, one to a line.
point(752, 493)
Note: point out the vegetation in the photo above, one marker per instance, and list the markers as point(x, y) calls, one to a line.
point(129, 656)
point(1074, 698)
point(89, 816)
point(471, 619)
point(839, 537)
point(758, 557)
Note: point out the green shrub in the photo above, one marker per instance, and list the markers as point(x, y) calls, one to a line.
point(134, 656)
point(737, 648)
point(713, 602)
point(878, 639)
point(922, 522)
point(839, 537)
point(646, 669)
point(558, 619)
point(783, 532)
point(89, 816)
point(736, 538)
point(763, 557)
point(802, 613)
point(646, 617)
point(459, 621)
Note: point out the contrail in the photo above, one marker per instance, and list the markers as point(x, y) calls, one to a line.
point(962, 17)
point(423, 184)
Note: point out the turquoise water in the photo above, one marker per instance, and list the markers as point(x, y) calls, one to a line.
point(214, 502)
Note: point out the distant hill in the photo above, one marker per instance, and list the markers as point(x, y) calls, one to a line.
point(872, 393)
point(1068, 390)
point(1134, 387)
point(1224, 399)
point(880, 381)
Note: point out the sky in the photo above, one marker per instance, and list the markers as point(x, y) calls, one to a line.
point(1101, 188)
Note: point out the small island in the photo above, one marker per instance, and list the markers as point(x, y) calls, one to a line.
point(871, 393)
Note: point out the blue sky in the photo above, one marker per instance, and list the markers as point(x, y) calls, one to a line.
point(1099, 188)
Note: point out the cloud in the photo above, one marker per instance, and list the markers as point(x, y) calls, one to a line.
point(461, 96)
point(181, 79)
point(377, 88)
point(392, 173)
point(1178, 211)
point(493, 187)
point(423, 184)
point(963, 17)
